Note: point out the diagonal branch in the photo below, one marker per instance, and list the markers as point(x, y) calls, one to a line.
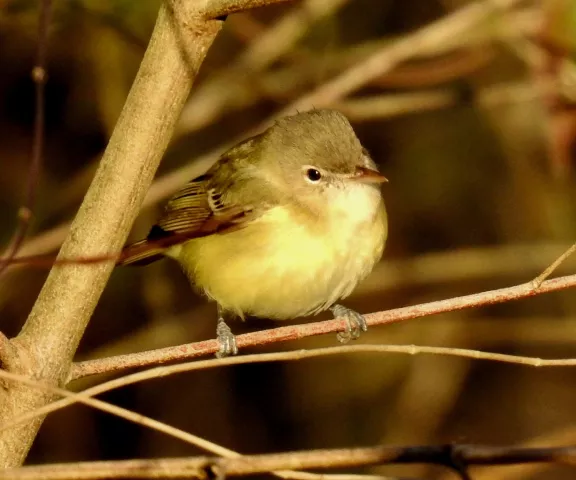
point(294, 355)
point(56, 324)
point(39, 77)
point(181, 38)
point(441, 35)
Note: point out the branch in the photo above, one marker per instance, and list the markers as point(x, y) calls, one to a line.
point(390, 105)
point(295, 332)
point(143, 420)
point(456, 457)
point(442, 33)
point(112, 409)
point(211, 98)
point(539, 284)
point(436, 37)
point(39, 77)
point(86, 396)
point(56, 324)
point(219, 8)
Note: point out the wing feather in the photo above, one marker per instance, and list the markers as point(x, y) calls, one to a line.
point(194, 211)
point(187, 210)
point(208, 204)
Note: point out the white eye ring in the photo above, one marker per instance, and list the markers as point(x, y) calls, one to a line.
point(312, 175)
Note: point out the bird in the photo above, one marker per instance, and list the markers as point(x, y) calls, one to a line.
point(285, 224)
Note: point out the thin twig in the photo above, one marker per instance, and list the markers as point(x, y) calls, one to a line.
point(138, 419)
point(102, 224)
point(209, 467)
point(443, 32)
point(550, 270)
point(39, 76)
point(390, 105)
point(434, 37)
point(295, 332)
point(209, 100)
point(164, 371)
point(120, 412)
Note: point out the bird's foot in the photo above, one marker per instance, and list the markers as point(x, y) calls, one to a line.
point(226, 339)
point(355, 323)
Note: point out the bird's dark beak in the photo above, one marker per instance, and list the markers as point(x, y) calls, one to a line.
point(367, 175)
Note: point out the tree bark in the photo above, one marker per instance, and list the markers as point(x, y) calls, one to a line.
point(45, 347)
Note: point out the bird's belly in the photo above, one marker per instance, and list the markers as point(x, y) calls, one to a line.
point(285, 272)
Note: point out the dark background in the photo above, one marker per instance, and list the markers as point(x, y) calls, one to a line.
point(481, 196)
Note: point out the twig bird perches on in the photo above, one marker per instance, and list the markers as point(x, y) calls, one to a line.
point(284, 225)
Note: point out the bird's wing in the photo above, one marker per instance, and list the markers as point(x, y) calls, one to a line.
point(227, 197)
point(196, 210)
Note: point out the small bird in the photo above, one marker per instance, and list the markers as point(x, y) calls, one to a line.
point(284, 225)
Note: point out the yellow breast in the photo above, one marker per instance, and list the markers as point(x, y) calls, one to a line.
point(281, 267)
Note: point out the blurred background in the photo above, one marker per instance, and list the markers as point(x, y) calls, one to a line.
point(478, 139)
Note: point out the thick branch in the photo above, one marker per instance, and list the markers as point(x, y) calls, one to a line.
point(61, 313)
point(438, 37)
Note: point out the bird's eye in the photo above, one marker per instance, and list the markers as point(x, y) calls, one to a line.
point(313, 175)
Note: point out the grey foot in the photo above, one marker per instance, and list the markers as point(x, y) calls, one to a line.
point(226, 340)
point(355, 323)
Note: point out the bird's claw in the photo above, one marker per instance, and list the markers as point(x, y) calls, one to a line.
point(355, 323)
point(226, 340)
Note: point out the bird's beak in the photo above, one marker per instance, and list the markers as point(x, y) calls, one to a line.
point(367, 175)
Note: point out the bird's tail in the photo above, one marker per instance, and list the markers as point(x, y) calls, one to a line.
point(141, 253)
